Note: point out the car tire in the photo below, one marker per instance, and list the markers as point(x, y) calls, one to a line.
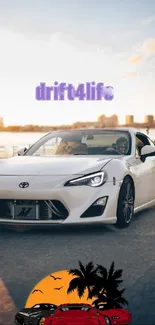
point(40, 320)
point(125, 207)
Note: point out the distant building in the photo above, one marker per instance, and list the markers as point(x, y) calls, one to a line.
point(101, 121)
point(149, 120)
point(110, 121)
point(129, 120)
point(1, 122)
point(78, 125)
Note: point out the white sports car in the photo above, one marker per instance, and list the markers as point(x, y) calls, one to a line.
point(79, 176)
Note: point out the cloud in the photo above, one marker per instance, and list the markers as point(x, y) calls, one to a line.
point(147, 21)
point(136, 59)
point(55, 57)
point(143, 51)
point(148, 46)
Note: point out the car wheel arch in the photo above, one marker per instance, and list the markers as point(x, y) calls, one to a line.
point(132, 181)
point(109, 320)
point(121, 217)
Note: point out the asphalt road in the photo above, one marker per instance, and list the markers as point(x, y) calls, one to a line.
point(25, 258)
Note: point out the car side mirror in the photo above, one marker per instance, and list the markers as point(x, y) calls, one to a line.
point(147, 151)
point(21, 151)
point(114, 145)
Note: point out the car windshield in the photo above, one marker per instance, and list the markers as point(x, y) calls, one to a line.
point(74, 307)
point(85, 142)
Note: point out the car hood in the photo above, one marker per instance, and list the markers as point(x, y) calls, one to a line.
point(116, 312)
point(29, 311)
point(56, 165)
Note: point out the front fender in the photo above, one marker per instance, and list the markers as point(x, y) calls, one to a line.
point(117, 169)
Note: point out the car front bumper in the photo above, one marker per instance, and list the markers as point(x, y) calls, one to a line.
point(75, 199)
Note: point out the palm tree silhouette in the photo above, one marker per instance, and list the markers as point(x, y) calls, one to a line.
point(106, 289)
point(85, 278)
point(100, 283)
point(111, 300)
point(108, 280)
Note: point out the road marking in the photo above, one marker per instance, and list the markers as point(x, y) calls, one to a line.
point(7, 306)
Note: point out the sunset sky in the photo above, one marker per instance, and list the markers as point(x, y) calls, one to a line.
point(76, 41)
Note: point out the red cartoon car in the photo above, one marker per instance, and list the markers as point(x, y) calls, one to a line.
point(76, 314)
point(115, 316)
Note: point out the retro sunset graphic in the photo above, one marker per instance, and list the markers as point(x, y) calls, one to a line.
point(89, 284)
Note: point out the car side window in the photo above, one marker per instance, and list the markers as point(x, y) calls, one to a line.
point(36, 306)
point(141, 141)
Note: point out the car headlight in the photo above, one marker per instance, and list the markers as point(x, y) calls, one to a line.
point(93, 180)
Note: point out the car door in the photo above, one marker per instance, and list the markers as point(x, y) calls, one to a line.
point(144, 172)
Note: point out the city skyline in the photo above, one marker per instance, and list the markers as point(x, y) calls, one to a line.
point(44, 42)
point(103, 120)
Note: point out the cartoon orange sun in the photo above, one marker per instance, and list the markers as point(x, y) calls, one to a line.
point(53, 289)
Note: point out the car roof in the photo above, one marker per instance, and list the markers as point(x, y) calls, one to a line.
point(75, 304)
point(43, 303)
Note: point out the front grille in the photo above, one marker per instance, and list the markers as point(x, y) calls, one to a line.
point(33, 210)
